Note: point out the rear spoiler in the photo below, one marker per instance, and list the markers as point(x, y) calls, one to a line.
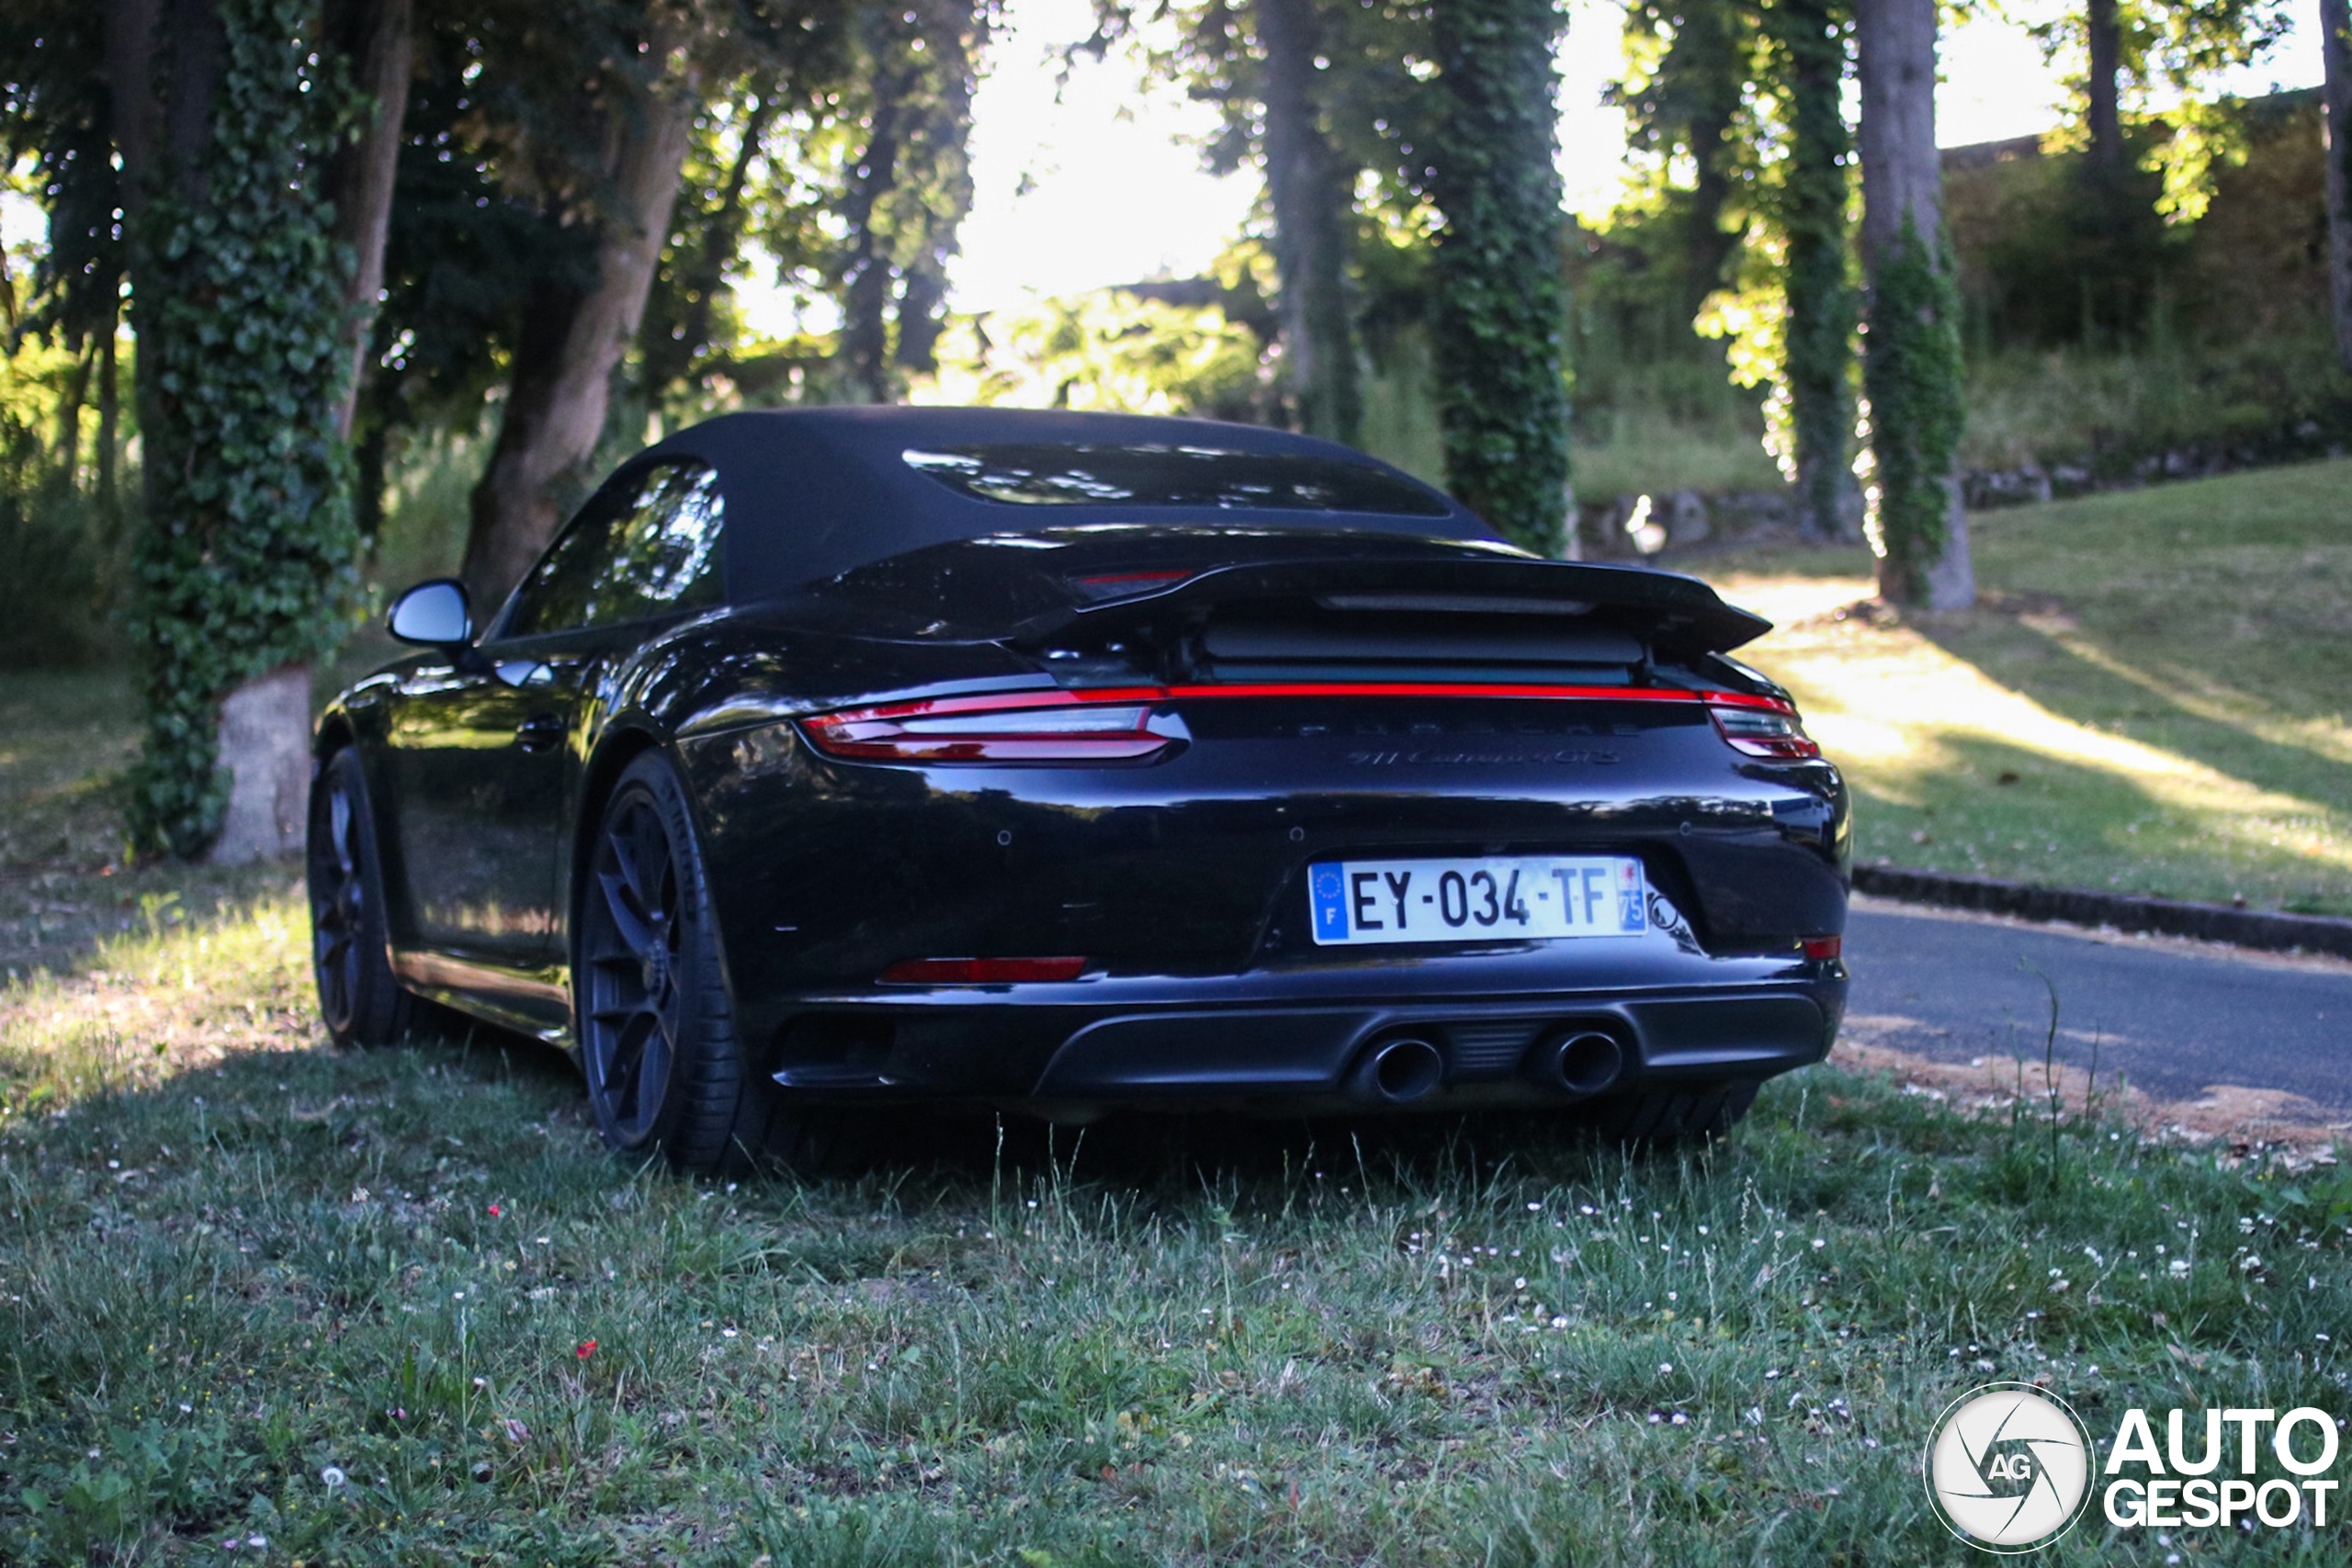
point(1670, 610)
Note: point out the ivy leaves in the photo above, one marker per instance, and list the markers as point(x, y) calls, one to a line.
point(246, 562)
point(1911, 375)
point(1501, 304)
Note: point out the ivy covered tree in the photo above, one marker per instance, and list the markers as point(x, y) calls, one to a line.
point(1911, 366)
point(1500, 314)
point(225, 117)
point(1804, 59)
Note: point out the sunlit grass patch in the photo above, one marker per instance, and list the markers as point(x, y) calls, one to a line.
point(2145, 702)
point(156, 1003)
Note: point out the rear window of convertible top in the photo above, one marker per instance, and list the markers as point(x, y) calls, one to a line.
point(1067, 474)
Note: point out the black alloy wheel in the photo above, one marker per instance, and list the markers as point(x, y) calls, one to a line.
point(361, 999)
point(666, 1073)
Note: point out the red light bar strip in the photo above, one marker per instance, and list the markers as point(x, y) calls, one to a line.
point(1112, 579)
point(1062, 697)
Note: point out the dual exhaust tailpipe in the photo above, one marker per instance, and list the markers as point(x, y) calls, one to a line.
point(1399, 1070)
point(1581, 1063)
point(1577, 1062)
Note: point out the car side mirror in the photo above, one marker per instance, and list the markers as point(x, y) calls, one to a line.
point(432, 615)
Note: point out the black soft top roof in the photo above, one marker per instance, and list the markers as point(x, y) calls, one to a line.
point(813, 493)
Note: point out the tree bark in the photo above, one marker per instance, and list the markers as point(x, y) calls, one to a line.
point(2335, 50)
point(1903, 187)
point(378, 36)
point(2104, 87)
point(1304, 179)
point(866, 375)
point(561, 385)
point(1901, 173)
point(1708, 245)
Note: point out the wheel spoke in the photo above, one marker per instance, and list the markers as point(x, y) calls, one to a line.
point(629, 921)
point(620, 839)
point(339, 833)
point(629, 1066)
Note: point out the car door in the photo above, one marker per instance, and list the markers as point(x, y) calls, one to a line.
point(486, 756)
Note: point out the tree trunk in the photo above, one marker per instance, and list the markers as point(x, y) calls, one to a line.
point(1707, 248)
point(2104, 87)
point(674, 340)
point(561, 384)
point(378, 36)
point(110, 426)
point(1912, 342)
point(265, 746)
point(69, 415)
point(1305, 180)
point(866, 376)
point(2336, 50)
point(1819, 349)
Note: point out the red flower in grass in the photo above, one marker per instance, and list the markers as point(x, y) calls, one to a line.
point(495, 1211)
point(584, 1350)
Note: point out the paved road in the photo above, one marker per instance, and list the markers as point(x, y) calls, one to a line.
point(2175, 1017)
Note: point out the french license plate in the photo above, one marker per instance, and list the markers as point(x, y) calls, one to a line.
point(1366, 901)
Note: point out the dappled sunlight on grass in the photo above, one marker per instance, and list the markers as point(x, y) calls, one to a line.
point(2147, 699)
point(1985, 777)
point(155, 1003)
point(2195, 692)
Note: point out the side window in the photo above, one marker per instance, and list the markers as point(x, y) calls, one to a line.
point(646, 549)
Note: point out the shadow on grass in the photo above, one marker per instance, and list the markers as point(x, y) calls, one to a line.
point(2076, 683)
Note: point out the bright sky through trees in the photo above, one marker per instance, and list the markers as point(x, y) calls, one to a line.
point(1114, 191)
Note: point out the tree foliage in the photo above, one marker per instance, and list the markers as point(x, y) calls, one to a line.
point(909, 188)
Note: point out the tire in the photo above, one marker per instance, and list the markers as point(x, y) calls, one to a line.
point(667, 1074)
point(1657, 1119)
point(361, 1001)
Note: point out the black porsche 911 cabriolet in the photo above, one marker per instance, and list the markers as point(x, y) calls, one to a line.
point(838, 760)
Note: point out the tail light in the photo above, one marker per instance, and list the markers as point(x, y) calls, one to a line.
point(1820, 949)
point(1014, 727)
point(1762, 727)
point(980, 971)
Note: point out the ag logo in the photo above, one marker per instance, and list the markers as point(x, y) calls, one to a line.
point(2008, 1467)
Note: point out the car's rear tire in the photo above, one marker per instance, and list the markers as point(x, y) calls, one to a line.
point(1699, 1113)
point(361, 1001)
point(667, 1073)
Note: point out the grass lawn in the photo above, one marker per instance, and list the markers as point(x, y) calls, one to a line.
point(2152, 699)
point(399, 1308)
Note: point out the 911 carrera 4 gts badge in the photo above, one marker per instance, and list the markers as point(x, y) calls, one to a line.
point(1477, 759)
point(1476, 898)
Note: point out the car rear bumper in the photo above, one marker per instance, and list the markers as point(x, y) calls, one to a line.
point(1072, 1056)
